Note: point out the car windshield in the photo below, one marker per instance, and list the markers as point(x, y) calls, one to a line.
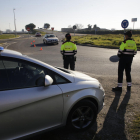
point(48, 36)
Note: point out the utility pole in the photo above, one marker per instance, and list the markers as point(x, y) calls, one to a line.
point(134, 20)
point(9, 27)
point(15, 22)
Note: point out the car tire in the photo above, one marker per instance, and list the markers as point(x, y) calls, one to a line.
point(82, 116)
point(44, 42)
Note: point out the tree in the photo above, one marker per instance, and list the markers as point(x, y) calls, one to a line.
point(31, 26)
point(46, 25)
point(95, 26)
point(79, 26)
point(89, 26)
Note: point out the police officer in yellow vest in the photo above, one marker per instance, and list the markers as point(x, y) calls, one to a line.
point(68, 50)
point(126, 53)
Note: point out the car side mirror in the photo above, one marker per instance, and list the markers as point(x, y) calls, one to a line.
point(48, 80)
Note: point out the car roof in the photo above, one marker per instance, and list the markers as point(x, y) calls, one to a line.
point(7, 52)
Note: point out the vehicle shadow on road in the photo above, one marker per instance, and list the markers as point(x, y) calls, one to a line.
point(39, 45)
point(114, 124)
point(65, 134)
point(114, 58)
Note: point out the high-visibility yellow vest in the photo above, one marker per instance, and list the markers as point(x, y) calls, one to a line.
point(128, 47)
point(68, 48)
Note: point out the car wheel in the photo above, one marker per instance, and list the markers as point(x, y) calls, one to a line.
point(82, 116)
point(44, 42)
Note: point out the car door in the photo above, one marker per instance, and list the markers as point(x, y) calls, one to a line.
point(26, 106)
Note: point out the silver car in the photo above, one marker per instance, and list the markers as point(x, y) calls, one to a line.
point(50, 39)
point(35, 96)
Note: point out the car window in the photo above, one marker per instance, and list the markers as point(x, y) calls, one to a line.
point(50, 36)
point(23, 74)
point(4, 83)
point(59, 79)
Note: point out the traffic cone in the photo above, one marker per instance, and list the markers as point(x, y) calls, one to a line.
point(34, 45)
point(33, 40)
point(41, 49)
point(31, 43)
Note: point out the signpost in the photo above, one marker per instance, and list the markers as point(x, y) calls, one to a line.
point(124, 25)
point(134, 20)
point(28, 29)
point(52, 29)
point(74, 27)
point(95, 31)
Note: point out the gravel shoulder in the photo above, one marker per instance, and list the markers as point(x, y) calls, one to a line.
point(115, 119)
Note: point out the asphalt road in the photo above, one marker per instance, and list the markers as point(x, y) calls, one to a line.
point(98, 61)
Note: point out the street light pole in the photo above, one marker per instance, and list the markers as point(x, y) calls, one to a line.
point(15, 22)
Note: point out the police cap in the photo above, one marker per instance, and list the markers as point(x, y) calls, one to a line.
point(68, 36)
point(129, 33)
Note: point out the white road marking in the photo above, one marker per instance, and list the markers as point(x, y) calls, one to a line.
point(8, 44)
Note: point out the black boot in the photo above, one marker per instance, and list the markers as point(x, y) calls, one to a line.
point(128, 88)
point(117, 89)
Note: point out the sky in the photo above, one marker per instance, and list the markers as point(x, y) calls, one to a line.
point(62, 13)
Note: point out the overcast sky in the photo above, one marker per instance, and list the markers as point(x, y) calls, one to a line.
point(62, 13)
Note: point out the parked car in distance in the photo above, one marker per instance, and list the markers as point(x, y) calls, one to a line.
point(35, 96)
point(50, 39)
point(37, 34)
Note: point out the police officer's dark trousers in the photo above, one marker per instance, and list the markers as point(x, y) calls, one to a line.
point(125, 63)
point(69, 60)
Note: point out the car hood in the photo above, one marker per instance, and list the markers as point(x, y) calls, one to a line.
point(52, 38)
point(79, 76)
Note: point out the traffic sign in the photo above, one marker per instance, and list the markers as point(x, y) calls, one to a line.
point(52, 28)
point(124, 23)
point(134, 19)
point(28, 29)
point(74, 27)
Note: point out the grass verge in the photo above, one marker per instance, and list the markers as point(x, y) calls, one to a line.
point(104, 40)
point(7, 36)
point(135, 128)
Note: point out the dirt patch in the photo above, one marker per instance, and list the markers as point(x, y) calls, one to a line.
point(115, 119)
